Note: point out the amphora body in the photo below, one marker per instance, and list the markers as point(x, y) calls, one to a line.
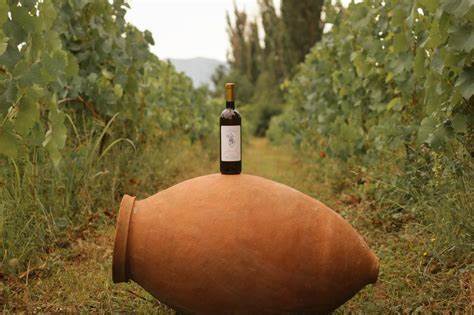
point(240, 244)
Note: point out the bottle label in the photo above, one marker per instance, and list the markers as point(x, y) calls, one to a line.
point(230, 143)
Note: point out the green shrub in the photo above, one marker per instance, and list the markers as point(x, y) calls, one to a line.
point(87, 113)
point(387, 96)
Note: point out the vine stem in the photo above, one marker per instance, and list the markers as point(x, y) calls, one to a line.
point(87, 104)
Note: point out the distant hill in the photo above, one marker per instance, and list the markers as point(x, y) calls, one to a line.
point(198, 69)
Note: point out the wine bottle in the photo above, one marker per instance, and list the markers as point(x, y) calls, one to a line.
point(230, 135)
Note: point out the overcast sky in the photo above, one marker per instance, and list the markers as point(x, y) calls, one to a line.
point(187, 28)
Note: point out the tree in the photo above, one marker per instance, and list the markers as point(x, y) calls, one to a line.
point(254, 53)
point(273, 39)
point(238, 57)
point(303, 28)
point(260, 71)
point(218, 76)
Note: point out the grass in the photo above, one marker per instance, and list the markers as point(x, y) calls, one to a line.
point(78, 281)
point(69, 269)
point(414, 277)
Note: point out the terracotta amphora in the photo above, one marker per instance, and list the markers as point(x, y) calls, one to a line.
point(240, 244)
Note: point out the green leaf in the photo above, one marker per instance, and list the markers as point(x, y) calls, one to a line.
point(149, 37)
point(437, 62)
point(462, 39)
point(457, 7)
point(459, 123)
point(400, 42)
point(437, 138)
point(28, 114)
point(419, 66)
point(55, 63)
point(92, 77)
point(53, 150)
point(72, 67)
point(118, 91)
point(427, 127)
point(52, 41)
point(59, 129)
point(8, 144)
point(431, 5)
point(452, 59)
point(362, 67)
point(3, 11)
point(56, 135)
point(47, 14)
point(395, 103)
point(3, 42)
point(438, 34)
point(22, 18)
point(107, 74)
point(465, 83)
point(398, 17)
point(32, 76)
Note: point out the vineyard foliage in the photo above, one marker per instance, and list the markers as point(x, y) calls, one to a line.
point(391, 85)
point(87, 113)
point(63, 57)
point(389, 74)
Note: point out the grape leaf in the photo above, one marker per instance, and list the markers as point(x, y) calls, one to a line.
point(462, 39)
point(47, 14)
point(72, 67)
point(118, 91)
point(398, 17)
point(419, 66)
point(3, 42)
point(400, 42)
point(3, 11)
point(437, 35)
point(395, 103)
point(23, 18)
point(28, 114)
point(457, 7)
point(8, 144)
point(459, 123)
point(465, 83)
point(427, 127)
point(55, 137)
point(149, 37)
point(437, 138)
point(431, 5)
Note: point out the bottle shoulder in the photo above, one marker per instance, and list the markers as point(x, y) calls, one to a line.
point(230, 114)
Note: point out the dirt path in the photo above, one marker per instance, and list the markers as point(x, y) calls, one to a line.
point(78, 278)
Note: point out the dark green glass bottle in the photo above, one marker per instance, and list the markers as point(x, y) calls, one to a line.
point(230, 135)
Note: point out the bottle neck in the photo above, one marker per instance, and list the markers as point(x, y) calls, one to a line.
point(230, 104)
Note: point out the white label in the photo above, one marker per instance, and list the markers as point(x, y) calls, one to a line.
point(230, 143)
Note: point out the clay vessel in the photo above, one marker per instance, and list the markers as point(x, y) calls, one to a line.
point(240, 244)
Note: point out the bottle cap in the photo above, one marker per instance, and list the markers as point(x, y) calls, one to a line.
point(229, 92)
